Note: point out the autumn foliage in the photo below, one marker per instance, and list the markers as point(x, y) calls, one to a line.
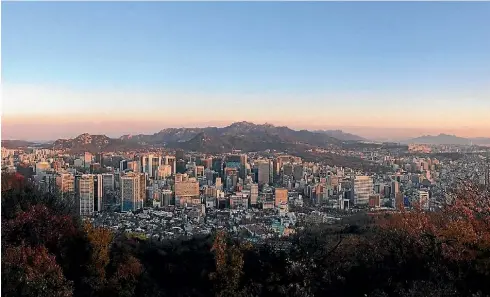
point(47, 250)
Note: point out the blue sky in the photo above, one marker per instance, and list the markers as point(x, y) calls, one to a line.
point(284, 54)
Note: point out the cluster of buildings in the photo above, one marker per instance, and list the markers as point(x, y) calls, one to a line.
point(242, 187)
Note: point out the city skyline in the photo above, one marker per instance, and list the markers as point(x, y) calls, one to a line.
point(379, 70)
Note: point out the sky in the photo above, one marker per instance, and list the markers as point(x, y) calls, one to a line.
point(380, 69)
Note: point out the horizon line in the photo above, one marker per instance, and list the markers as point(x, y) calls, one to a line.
point(223, 124)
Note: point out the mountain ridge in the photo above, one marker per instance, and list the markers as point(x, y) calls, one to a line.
point(244, 135)
point(448, 139)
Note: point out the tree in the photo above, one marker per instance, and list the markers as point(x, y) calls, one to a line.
point(28, 271)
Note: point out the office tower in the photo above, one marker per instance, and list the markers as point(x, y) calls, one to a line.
point(107, 183)
point(218, 183)
point(170, 160)
point(362, 189)
point(130, 192)
point(254, 194)
point(87, 159)
point(150, 163)
point(277, 166)
point(298, 172)
point(271, 171)
point(123, 165)
point(143, 178)
point(287, 169)
point(218, 166)
point(85, 194)
point(98, 192)
point(179, 155)
point(233, 161)
point(99, 158)
point(163, 172)
point(165, 197)
point(65, 183)
point(395, 188)
point(133, 166)
point(243, 160)
point(281, 196)
point(263, 172)
point(181, 166)
point(186, 189)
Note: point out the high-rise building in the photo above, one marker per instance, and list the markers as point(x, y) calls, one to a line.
point(186, 190)
point(165, 198)
point(281, 196)
point(288, 169)
point(170, 160)
point(218, 183)
point(163, 171)
point(218, 166)
point(254, 194)
point(298, 172)
point(123, 165)
point(395, 188)
point(107, 183)
point(263, 172)
point(243, 159)
point(134, 166)
point(131, 192)
point(65, 183)
point(142, 177)
point(179, 155)
point(98, 192)
point(85, 194)
point(150, 163)
point(362, 189)
point(87, 159)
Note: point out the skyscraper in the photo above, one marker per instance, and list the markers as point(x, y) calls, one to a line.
point(186, 189)
point(65, 183)
point(131, 192)
point(263, 172)
point(85, 194)
point(254, 194)
point(298, 172)
point(395, 188)
point(98, 192)
point(362, 189)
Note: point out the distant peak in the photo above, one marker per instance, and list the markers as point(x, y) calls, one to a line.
point(242, 123)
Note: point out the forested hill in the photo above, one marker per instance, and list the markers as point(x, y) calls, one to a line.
point(48, 251)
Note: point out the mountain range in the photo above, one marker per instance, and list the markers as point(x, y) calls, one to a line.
point(341, 135)
point(448, 139)
point(245, 136)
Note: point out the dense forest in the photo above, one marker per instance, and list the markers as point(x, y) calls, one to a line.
point(49, 251)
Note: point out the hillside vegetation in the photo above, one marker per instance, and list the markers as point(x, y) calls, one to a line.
point(48, 251)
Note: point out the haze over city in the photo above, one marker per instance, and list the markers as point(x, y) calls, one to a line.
point(380, 70)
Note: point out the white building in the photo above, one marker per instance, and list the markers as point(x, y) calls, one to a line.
point(362, 189)
point(85, 192)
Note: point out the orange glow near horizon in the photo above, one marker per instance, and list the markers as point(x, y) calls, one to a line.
point(43, 112)
point(67, 126)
